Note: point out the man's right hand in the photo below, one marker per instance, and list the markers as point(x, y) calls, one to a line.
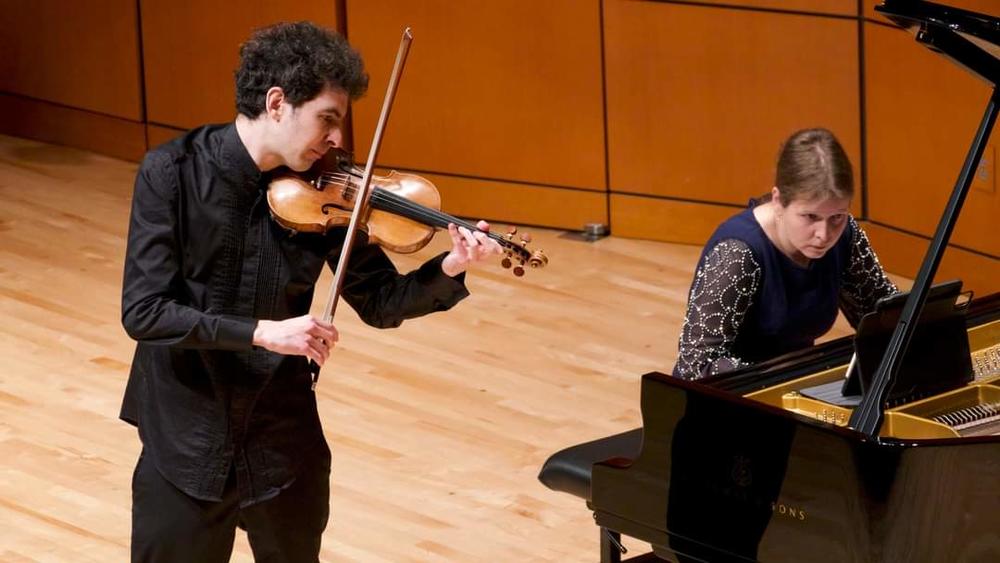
point(301, 336)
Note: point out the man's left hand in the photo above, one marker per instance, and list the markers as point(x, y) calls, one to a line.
point(468, 247)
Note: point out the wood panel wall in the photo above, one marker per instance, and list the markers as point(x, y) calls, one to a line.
point(922, 113)
point(700, 99)
point(487, 99)
point(659, 118)
point(70, 74)
point(191, 51)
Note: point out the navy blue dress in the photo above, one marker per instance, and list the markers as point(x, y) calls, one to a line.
point(749, 302)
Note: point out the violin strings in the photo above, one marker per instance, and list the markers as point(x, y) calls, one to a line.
point(333, 177)
point(393, 203)
point(389, 201)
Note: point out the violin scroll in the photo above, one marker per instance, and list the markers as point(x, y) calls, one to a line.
point(517, 251)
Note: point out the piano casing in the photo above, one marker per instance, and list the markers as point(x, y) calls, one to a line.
point(725, 476)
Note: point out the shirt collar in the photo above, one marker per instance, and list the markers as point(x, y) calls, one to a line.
point(235, 161)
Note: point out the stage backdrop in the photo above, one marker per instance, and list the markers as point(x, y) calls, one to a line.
point(658, 119)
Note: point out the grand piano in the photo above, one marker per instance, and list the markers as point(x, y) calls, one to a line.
point(771, 464)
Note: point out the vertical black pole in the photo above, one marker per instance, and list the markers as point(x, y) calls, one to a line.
point(867, 417)
point(610, 550)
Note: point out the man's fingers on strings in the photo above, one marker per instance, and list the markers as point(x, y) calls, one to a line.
point(486, 244)
point(470, 239)
point(456, 236)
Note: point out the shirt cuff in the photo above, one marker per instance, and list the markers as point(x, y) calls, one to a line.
point(444, 288)
point(235, 333)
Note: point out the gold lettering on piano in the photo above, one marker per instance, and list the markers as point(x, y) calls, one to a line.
point(741, 474)
point(793, 512)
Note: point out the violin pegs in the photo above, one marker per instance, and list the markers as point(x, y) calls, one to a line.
point(512, 230)
point(526, 238)
point(506, 263)
point(518, 271)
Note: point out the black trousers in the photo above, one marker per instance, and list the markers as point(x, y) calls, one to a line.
point(169, 526)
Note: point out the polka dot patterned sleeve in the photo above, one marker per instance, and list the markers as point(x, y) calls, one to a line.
point(864, 281)
point(724, 288)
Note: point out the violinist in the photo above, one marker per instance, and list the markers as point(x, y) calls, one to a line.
point(217, 295)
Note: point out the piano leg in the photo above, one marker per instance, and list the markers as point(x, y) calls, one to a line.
point(612, 550)
point(611, 546)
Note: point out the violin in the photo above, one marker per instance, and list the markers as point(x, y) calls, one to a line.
point(402, 214)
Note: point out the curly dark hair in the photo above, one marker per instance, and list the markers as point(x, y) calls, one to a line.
point(301, 58)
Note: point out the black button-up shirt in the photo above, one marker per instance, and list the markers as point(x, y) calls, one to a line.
point(204, 262)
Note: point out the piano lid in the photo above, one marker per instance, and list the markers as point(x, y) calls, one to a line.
point(968, 38)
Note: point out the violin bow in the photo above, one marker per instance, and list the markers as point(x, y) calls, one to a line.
point(362, 195)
